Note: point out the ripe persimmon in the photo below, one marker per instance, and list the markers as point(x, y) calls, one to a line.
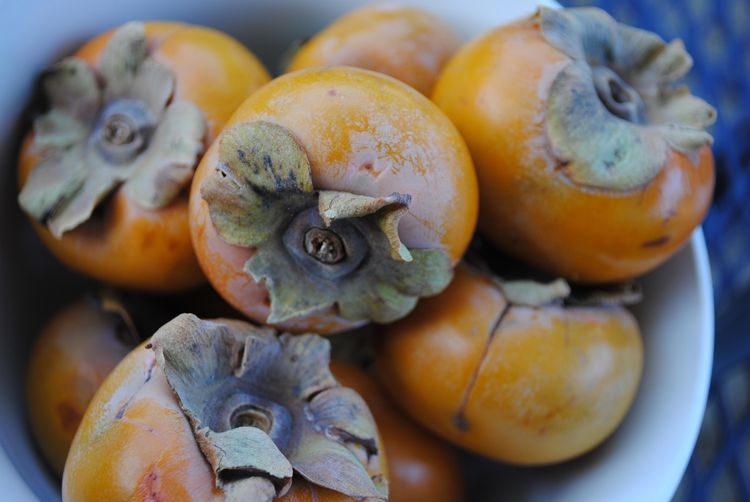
point(104, 172)
point(407, 43)
point(499, 368)
point(593, 166)
point(74, 353)
point(333, 197)
point(420, 466)
point(223, 410)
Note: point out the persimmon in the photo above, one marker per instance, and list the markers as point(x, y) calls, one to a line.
point(420, 466)
point(333, 197)
point(593, 166)
point(505, 370)
point(74, 353)
point(105, 170)
point(223, 410)
point(407, 43)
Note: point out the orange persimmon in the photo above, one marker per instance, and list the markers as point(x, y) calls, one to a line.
point(74, 353)
point(522, 384)
point(333, 197)
point(420, 466)
point(104, 172)
point(405, 42)
point(592, 165)
point(267, 420)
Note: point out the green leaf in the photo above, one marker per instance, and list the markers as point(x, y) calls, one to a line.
point(57, 131)
point(52, 183)
point(98, 184)
point(152, 85)
point(167, 166)
point(122, 58)
point(262, 179)
point(245, 450)
point(72, 89)
point(331, 465)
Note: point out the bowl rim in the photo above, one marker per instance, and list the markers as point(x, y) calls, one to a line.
point(704, 369)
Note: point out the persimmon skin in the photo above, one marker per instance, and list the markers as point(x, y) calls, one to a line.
point(421, 467)
point(547, 385)
point(74, 353)
point(404, 42)
point(344, 118)
point(135, 444)
point(137, 248)
point(528, 207)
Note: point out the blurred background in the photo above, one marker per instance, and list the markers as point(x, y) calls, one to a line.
point(717, 35)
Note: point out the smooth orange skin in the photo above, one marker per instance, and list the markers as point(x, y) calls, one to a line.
point(421, 467)
point(135, 444)
point(407, 43)
point(495, 90)
point(134, 247)
point(552, 384)
point(359, 131)
point(74, 353)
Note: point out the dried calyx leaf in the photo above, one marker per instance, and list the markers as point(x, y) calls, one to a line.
point(530, 293)
point(534, 294)
point(108, 301)
point(613, 113)
point(97, 136)
point(315, 250)
point(139, 316)
point(264, 406)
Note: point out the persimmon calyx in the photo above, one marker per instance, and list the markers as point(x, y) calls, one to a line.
point(613, 113)
point(114, 128)
point(315, 249)
point(530, 293)
point(264, 406)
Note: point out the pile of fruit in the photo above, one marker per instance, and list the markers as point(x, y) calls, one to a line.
point(332, 200)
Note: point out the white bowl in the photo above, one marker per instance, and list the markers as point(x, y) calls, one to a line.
point(643, 461)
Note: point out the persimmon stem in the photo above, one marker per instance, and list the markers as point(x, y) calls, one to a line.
point(252, 416)
point(123, 130)
point(619, 97)
point(329, 252)
point(324, 245)
point(119, 130)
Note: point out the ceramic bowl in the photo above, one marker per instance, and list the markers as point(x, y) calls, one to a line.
point(645, 458)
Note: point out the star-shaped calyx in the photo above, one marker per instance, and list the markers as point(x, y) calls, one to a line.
point(613, 114)
point(117, 126)
point(315, 249)
point(265, 408)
